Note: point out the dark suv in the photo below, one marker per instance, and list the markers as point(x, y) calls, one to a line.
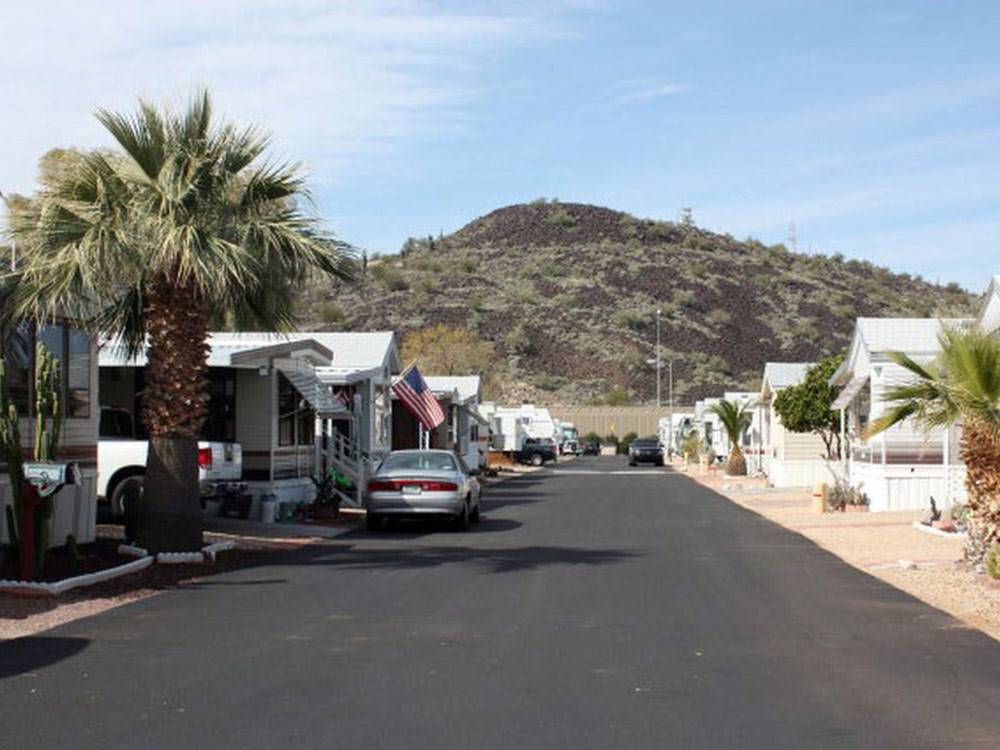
point(536, 451)
point(645, 451)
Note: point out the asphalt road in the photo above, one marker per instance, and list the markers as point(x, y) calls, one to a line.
point(595, 607)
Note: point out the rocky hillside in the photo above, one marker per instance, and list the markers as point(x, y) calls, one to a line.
point(567, 293)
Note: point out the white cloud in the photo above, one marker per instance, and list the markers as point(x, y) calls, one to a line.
point(645, 91)
point(340, 84)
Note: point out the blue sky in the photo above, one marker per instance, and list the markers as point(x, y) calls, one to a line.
point(872, 125)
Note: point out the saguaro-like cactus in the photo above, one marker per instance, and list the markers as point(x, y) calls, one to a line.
point(10, 455)
point(48, 425)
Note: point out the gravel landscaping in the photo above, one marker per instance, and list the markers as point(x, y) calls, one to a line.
point(884, 545)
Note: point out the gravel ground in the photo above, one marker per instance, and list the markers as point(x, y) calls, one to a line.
point(21, 616)
point(876, 543)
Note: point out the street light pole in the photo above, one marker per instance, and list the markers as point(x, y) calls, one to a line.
point(657, 358)
point(670, 400)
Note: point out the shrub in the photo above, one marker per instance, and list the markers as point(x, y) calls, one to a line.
point(591, 437)
point(691, 445)
point(627, 441)
point(993, 562)
point(611, 439)
point(518, 341)
point(631, 319)
point(616, 397)
point(392, 278)
point(560, 217)
point(331, 313)
point(468, 265)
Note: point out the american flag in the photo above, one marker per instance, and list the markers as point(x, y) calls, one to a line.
point(412, 390)
point(344, 397)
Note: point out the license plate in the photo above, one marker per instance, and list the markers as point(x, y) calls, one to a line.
point(412, 489)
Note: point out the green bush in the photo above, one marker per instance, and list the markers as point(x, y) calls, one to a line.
point(993, 562)
point(632, 319)
point(611, 439)
point(627, 441)
point(390, 277)
point(331, 313)
point(591, 437)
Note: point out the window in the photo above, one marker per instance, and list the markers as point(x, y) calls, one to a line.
point(296, 420)
point(78, 373)
point(75, 368)
point(16, 348)
point(220, 422)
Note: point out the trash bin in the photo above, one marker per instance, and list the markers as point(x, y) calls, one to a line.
point(268, 507)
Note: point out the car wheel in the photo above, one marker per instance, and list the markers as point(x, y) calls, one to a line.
point(464, 519)
point(129, 487)
point(537, 460)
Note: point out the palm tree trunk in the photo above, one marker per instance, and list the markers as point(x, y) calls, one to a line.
point(737, 464)
point(174, 404)
point(980, 452)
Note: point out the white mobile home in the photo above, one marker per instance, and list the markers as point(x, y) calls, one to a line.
point(903, 467)
point(463, 420)
point(299, 403)
point(75, 506)
point(790, 459)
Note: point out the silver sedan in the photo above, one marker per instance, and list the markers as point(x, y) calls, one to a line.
point(423, 482)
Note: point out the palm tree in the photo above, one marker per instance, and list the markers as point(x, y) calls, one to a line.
point(735, 418)
point(186, 226)
point(962, 385)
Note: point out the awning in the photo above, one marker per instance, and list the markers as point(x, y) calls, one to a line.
point(346, 375)
point(852, 389)
point(316, 393)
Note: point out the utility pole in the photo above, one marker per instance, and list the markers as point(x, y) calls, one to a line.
point(670, 401)
point(657, 358)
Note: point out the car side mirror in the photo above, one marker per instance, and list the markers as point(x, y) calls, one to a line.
point(475, 472)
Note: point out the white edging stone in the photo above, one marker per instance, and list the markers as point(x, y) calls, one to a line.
point(174, 558)
point(211, 550)
point(132, 551)
point(938, 532)
point(89, 579)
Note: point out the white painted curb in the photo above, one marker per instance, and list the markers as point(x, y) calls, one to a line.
point(132, 551)
point(59, 587)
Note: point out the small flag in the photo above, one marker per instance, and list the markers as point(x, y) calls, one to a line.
point(344, 397)
point(412, 390)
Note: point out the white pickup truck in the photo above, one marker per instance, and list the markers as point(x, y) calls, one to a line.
point(121, 462)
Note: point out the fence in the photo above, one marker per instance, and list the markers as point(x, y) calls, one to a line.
point(619, 420)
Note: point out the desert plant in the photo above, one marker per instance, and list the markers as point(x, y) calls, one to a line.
point(691, 446)
point(331, 313)
point(183, 226)
point(48, 426)
point(591, 437)
point(735, 418)
point(611, 439)
point(391, 278)
point(626, 441)
point(993, 562)
point(961, 385)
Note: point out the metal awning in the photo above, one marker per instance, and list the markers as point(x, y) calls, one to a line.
point(852, 389)
point(308, 349)
point(312, 389)
point(346, 375)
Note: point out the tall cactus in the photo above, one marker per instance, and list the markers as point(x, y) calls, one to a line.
point(48, 426)
point(10, 455)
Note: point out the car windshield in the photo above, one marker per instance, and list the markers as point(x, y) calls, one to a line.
point(644, 443)
point(419, 461)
